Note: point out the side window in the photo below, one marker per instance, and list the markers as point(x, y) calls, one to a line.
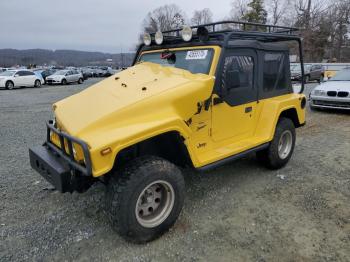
point(275, 74)
point(28, 73)
point(21, 73)
point(237, 79)
point(238, 73)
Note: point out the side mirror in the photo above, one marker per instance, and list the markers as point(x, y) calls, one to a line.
point(16, 75)
point(232, 79)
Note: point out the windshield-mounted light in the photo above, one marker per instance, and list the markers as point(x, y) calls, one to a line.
point(147, 40)
point(186, 33)
point(159, 38)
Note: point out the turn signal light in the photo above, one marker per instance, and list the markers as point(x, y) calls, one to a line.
point(106, 151)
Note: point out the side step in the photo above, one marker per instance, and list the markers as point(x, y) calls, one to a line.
point(232, 158)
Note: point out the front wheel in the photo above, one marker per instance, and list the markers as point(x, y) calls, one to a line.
point(64, 82)
point(80, 81)
point(281, 147)
point(144, 200)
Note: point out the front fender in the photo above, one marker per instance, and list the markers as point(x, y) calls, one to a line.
point(103, 164)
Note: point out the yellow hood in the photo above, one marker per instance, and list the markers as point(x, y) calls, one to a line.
point(132, 99)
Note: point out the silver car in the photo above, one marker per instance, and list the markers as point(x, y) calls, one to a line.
point(64, 77)
point(335, 93)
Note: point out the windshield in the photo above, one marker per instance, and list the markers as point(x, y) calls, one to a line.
point(8, 73)
point(343, 75)
point(60, 72)
point(196, 61)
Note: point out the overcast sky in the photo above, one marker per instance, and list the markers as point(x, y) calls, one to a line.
point(90, 25)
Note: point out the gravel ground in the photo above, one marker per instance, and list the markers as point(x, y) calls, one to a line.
point(238, 212)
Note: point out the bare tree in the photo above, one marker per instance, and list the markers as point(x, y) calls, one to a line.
point(239, 8)
point(201, 17)
point(164, 18)
point(280, 12)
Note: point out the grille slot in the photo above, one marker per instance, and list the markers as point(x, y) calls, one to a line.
point(343, 94)
point(332, 93)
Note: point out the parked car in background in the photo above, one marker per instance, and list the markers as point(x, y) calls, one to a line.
point(312, 73)
point(20, 78)
point(335, 93)
point(64, 77)
point(47, 72)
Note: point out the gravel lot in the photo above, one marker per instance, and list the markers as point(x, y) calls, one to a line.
point(238, 212)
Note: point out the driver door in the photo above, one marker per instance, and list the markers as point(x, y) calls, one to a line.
point(234, 108)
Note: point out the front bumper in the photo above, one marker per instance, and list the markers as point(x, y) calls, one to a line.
point(53, 81)
point(330, 102)
point(58, 166)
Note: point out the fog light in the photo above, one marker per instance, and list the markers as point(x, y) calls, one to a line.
point(186, 33)
point(159, 38)
point(147, 39)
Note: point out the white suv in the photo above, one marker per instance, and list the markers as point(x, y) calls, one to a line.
point(18, 78)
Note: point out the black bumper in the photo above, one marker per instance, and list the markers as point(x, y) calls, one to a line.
point(58, 166)
point(53, 168)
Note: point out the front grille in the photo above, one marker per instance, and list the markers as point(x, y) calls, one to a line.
point(340, 104)
point(332, 93)
point(338, 94)
point(343, 94)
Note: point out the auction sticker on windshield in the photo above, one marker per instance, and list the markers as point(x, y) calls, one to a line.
point(196, 54)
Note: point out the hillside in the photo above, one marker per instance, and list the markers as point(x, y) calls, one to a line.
point(11, 57)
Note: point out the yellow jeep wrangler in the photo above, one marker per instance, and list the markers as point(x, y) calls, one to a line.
point(195, 97)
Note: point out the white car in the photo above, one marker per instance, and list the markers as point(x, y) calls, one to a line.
point(64, 77)
point(19, 78)
point(335, 93)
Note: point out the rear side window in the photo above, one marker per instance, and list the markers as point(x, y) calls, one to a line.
point(275, 74)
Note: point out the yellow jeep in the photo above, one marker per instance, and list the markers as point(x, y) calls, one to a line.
point(195, 97)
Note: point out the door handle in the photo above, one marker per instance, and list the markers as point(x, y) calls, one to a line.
point(248, 109)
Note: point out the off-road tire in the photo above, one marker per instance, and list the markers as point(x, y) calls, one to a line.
point(37, 83)
point(64, 82)
point(80, 81)
point(270, 156)
point(123, 192)
point(9, 85)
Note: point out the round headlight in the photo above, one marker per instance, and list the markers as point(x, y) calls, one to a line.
point(158, 37)
point(186, 33)
point(147, 39)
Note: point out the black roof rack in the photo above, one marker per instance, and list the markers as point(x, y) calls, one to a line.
point(223, 32)
point(262, 32)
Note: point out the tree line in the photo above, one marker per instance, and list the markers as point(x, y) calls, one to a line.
point(324, 24)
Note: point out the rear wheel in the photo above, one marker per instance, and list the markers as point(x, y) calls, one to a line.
point(64, 82)
point(281, 147)
point(9, 85)
point(144, 200)
point(306, 79)
point(37, 83)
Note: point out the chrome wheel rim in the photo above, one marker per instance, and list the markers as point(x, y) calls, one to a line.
point(285, 144)
point(155, 204)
